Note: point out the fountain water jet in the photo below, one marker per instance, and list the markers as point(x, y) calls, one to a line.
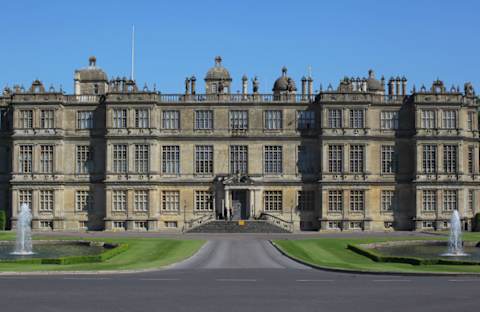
point(455, 243)
point(23, 245)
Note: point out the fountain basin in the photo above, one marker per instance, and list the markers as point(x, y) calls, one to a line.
point(419, 252)
point(60, 252)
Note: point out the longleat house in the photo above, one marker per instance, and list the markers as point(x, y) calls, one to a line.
point(367, 154)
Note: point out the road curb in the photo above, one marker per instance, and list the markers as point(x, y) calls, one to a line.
point(363, 272)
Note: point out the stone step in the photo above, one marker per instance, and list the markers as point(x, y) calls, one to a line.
point(248, 226)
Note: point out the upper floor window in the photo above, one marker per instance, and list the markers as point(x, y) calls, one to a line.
point(84, 159)
point(46, 158)
point(305, 120)
point(388, 158)
point(171, 120)
point(239, 120)
point(119, 118)
point(357, 158)
point(429, 158)
point(203, 120)
point(273, 160)
point(335, 158)
point(450, 119)
point(26, 118)
point(334, 118)
point(470, 159)
point(142, 119)
point(204, 159)
point(470, 121)
point(450, 158)
point(85, 119)
point(357, 118)
point(305, 160)
point(171, 159)
point(273, 120)
point(389, 120)
point(428, 119)
point(238, 159)
point(25, 159)
point(47, 119)
point(142, 158)
point(120, 164)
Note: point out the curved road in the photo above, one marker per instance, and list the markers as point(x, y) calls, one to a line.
point(238, 275)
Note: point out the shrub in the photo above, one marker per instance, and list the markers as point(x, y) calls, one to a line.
point(476, 222)
point(3, 220)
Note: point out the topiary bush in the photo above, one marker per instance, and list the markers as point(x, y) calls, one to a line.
point(3, 220)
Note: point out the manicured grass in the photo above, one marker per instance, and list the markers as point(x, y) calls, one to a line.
point(142, 253)
point(333, 253)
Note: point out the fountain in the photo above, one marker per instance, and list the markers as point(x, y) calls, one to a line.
point(23, 245)
point(455, 243)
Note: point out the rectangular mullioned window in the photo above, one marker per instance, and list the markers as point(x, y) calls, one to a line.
point(239, 120)
point(25, 159)
point(387, 200)
point(142, 158)
point(389, 120)
point(335, 158)
point(203, 120)
point(26, 119)
point(25, 198)
point(203, 201)
point(239, 159)
point(46, 201)
point(305, 120)
point(46, 158)
point(273, 158)
point(428, 119)
point(429, 201)
point(273, 120)
point(140, 201)
point(357, 200)
point(471, 121)
point(334, 118)
point(388, 158)
point(171, 159)
point(120, 163)
point(471, 200)
point(83, 201)
point(450, 158)
point(357, 118)
point(119, 118)
point(47, 119)
point(119, 201)
point(170, 120)
point(84, 159)
point(272, 200)
point(171, 201)
point(450, 200)
point(429, 158)
point(357, 153)
point(85, 119)
point(204, 159)
point(335, 200)
point(449, 119)
point(142, 118)
point(471, 159)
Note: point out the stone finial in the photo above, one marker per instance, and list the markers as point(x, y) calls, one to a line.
point(218, 60)
point(92, 61)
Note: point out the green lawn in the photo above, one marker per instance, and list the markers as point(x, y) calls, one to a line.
point(333, 253)
point(142, 253)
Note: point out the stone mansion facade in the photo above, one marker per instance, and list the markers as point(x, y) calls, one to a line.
point(365, 155)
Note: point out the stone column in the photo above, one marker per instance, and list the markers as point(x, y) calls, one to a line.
point(304, 87)
point(310, 86)
point(193, 79)
point(227, 203)
point(244, 86)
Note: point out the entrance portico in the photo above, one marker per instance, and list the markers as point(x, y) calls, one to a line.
point(240, 199)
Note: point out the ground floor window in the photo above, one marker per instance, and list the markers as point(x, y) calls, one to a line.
point(450, 200)
point(203, 201)
point(335, 200)
point(141, 201)
point(387, 200)
point(429, 202)
point(83, 201)
point(25, 197)
point(46, 201)
point(357, 200)
point(119, 201)
point(171, 201)
point(273, 200)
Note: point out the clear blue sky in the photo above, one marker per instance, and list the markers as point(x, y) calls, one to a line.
point(420, 39)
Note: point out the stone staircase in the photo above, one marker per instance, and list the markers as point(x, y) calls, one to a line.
point(247, 226)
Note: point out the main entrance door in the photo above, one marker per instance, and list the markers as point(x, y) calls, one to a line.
point(240, 207)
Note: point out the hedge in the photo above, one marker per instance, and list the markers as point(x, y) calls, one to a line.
point(104, 256)
point(3, 220)
point(377, 257)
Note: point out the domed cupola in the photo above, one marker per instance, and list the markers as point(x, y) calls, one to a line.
point(374, 85)
point(218, 78)
point(284, 84)
point(90, 80)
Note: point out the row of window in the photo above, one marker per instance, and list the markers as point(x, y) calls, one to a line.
point(450, 158)
point(357, 200)
point(450, 200)
point(357, 158)
point(449, 119)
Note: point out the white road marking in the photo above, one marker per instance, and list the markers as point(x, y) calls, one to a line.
point(464, 280)
point(313, 281)
point(159, 279)
point(391, 280)
point(12, 277)
point(235, 280)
